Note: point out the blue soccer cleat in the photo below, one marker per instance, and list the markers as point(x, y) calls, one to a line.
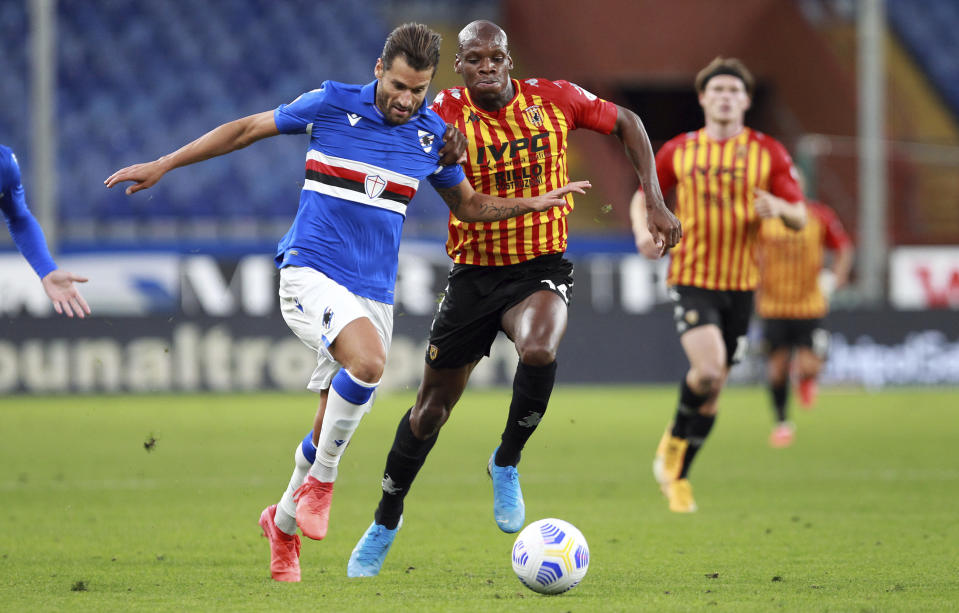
point(370, 553)
point(509, 510)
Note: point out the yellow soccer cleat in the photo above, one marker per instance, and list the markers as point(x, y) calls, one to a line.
point(669, 459)
point(681, 496)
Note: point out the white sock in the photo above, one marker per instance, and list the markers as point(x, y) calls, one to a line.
point(340, 421)
point(285, 517)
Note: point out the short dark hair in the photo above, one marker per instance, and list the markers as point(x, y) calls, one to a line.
point(725, 66)
point(419, 45)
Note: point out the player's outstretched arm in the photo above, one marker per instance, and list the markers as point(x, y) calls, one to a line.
point(228, 137)
point(471, 206)
point(66, 298)
point(663, 225)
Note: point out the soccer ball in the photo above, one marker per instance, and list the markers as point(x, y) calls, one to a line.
point(550, 556)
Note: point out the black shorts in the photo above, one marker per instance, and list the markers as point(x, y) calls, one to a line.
point(793, 333)
point(730, 310)
point(471, 311)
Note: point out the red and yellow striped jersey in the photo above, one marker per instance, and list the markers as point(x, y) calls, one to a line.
point(790, 261)
point(519, 151)
point(714, 183)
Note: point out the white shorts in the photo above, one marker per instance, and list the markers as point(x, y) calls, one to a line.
point(317, 308)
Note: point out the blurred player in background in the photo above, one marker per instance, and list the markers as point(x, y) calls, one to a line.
point(727, 178)
point(28, 237)
point(370, 146)
point(509, 275)
point(793, 299)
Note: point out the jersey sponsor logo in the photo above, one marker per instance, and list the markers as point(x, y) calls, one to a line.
point(426, 140)
point(534, 145)
point(472, 117)
point(374, 184)
point(354, 118)
point(528, 176)
point(534, 116)
point(737, 173)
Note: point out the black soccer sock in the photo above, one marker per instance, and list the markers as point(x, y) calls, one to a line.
point(689, 403)
point(405, 459)
point(532, 386)
point(780, 394)
point(696, 433)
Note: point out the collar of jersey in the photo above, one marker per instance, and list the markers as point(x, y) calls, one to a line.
point(498, 114)
point(368, 97)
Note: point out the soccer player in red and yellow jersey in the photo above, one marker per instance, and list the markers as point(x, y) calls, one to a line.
point(793, 299)
point(508, 276)
point(727, 178)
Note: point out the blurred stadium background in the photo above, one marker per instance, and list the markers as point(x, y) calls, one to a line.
point(182, 283)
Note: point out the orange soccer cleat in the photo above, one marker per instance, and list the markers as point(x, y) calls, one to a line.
point(782, 435)
point(807, 392)
point(284, 548)
point(313, 500)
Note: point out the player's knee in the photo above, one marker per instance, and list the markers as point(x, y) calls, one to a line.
point(706, 380)
point(809, 370)
point(537, 355)
point(368, 368)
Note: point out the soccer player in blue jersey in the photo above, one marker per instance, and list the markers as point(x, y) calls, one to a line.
point(28, 237)
point(370, 146)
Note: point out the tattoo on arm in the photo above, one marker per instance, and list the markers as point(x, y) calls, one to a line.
point(487, 208)
point(451, 196)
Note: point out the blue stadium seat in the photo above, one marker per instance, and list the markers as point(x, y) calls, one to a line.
point(928, 30)
point(138, 79)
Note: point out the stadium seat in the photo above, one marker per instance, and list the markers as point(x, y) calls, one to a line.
point(136, 80)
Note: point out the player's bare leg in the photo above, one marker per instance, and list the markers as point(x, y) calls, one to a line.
point(360, 350)
point(777, 372)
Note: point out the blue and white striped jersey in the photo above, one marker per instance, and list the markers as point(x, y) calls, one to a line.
point(361, 173)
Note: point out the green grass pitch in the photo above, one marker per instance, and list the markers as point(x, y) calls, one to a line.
point(859, 515)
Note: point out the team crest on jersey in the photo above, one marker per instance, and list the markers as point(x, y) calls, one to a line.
point(327, 318)
point(534, 115)
point(434, 351)
point(426, 140)
point(374, 184)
